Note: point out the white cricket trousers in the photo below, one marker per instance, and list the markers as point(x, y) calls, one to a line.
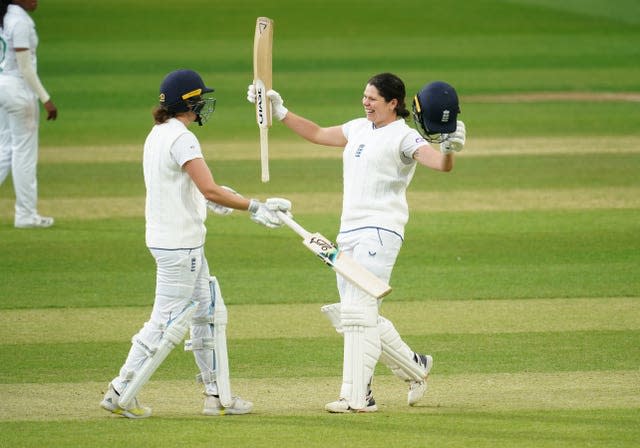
point(19, 120)
point(182, 275)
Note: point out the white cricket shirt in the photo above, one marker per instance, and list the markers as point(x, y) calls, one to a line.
point(175, 209)
point(19, 31)
point(377, 168)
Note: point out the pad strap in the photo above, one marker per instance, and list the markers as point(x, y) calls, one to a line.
point(199, 344)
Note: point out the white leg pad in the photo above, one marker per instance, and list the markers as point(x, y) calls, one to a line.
point(173, 335)
point(209, 345)
point(396, 354)
point(361, 351)
point(220, 319)
point(333, 314)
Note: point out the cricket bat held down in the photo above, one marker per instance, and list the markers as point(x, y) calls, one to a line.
point(339, 261)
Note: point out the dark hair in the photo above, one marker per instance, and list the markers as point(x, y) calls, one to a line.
point(4, 4)
point(161, 114)
point(391, 87)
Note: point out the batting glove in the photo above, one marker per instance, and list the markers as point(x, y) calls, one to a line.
point(455, 141)
point(218, 209)
point(265, 213)
point(277, 105)
point(251, 93)
point(278, 205)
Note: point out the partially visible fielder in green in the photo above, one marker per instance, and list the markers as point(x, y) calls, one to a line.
point(380, 157)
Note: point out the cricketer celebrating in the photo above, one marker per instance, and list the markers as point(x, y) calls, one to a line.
point(379, 160)
point(178, 185)
point(20, 89)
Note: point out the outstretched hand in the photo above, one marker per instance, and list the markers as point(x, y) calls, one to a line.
point(265, 213)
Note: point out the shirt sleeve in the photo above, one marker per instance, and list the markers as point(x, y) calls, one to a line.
point(186, 147)
point(346, 128)
point(410, 144)
point(21, 33)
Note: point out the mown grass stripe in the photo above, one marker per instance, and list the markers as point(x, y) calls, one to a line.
point(31, 326)
point(297, 148)
point(455, 200)
point(447, 393)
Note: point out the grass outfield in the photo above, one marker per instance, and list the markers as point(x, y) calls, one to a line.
point(521, 268)
point(536, 345)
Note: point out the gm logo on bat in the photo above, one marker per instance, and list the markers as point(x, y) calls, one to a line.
point(325, 249)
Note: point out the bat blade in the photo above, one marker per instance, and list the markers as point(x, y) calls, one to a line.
point(346, 266)
point(339, 261)
point(262, 79)
point(359, 276)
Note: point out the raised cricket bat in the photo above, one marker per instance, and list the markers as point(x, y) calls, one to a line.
point(262, 75)
point(339, 261)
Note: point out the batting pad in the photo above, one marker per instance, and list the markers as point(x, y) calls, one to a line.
point(173, 335)
point(209, 345)
point(220, 319)
point(361, 351)
point(333, 314)
point(396, 354)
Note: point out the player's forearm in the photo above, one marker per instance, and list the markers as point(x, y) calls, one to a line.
point(429, 157)
point(23, 57)
point(202, 177)
point(446, 163)
point(219, 195)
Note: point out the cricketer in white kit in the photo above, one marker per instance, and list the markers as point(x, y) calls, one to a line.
point(179, 191)
point(20, 90)
point(380, 156)
point(378, 166)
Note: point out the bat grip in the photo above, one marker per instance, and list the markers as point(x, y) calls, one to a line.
point(264, 153)
point(288, 220)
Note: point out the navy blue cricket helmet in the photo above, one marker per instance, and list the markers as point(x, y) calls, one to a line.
point(182, 91)
point(435, 110)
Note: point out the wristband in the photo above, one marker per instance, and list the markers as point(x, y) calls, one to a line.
point(254, 205)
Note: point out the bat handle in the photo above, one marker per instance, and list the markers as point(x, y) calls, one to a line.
point(288, 220)
point(264, 153)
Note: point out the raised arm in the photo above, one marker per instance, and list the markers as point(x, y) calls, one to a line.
point(307, 129)
point(428, 156)
point(442, 160)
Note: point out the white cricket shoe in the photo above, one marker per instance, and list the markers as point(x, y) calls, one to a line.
point(342, 407)
point(135, 409)
point(212, 406)
point(417, 389)
point(36, 221)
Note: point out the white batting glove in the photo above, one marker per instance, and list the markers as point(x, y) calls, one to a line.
point(265, 213)
point(455, 141)
point(278, 205)
point(277, 105)
point(218, 209)
point(251, 93)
